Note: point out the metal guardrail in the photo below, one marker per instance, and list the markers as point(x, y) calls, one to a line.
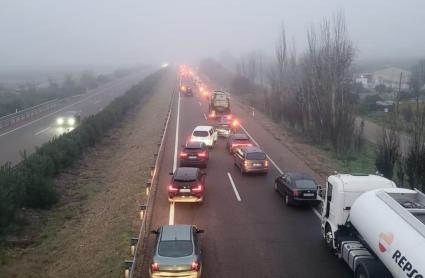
point(28, 113)
point(137, 243)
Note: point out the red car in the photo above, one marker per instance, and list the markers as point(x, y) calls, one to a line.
point(238, 140)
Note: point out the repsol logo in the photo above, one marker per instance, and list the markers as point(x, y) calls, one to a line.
point(405, 265)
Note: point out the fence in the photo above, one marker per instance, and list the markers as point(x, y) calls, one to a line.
point(28, 113)
point(137, 244)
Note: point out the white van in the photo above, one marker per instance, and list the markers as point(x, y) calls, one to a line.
point(204, 134)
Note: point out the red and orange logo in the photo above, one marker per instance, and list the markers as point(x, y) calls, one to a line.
point(385, 240)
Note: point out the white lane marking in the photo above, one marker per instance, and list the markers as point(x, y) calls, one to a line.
point(205, 116)
point(171, 219)
point(234, 187)
point(275, 165)
point(255, 142)
point(59, 110)
point(43, 130)
point(316, 212)
point(176, 143)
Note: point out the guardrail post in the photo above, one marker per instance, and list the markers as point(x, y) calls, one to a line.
point(142, 210)
point(127, 265)
point(148, 187)
point(133, 243)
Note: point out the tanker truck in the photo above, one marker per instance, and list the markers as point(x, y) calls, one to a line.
point(375, 227)
point(219, 105)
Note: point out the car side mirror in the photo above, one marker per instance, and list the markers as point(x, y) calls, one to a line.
point(155, 232)
point(200, 231)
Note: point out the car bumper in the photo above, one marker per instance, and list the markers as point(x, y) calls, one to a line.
point(256, 169)
point(206, 142)
point(223, 133)
point(186, 199)
point(185, 274)
point(305, 200)
point(195, 163)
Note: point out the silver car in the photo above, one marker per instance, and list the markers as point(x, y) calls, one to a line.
point(69, 118)
point(177, 252)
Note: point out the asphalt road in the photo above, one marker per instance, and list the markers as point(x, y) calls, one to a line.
point(40, 130)
point(248, 230)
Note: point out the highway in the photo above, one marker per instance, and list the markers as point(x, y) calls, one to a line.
point(248, 230)
point(42, 129)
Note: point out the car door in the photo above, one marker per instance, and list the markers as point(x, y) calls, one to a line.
point(280, 183)
point(287, 188)
point(239, 157)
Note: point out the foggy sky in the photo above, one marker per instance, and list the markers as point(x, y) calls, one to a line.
point(41, 33)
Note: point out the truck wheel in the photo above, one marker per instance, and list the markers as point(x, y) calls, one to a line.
point(329, 238)
point(371, 268)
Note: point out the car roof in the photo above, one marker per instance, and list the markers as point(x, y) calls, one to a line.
point(194, 145)
point(240, 136)
point(299, 176)
point(202, 128)
point(70, 113)
point(253, 149)
point(185, 172)
point(176, 232)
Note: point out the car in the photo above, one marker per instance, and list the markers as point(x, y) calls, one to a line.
point(189, 92)
point(187, 185)
point(69, 118)
point(204, 134)
point(296, 188)
point(224, 127)
point(238, 140)
point(177, 252)
point(194, 154)
point(251, 160)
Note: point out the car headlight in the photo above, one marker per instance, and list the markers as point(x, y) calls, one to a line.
point(71, 121)
point(60, 121)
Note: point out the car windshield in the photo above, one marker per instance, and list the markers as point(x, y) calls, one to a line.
point(305, 184)
point(200, 133)
point(255, 156)
point(175, 248)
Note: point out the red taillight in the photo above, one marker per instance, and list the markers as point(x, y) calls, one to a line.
point(296, 193)
point(154, 267)
point(183, 154)
point(172, 188)
point(235, 145)
point(235, 123)
point(195, 266)
point(249, 145)
point(197, 188)
point(266, 163)
point(246, 163)
point(202, 154)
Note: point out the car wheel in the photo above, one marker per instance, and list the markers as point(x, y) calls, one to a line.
point(329, 238)
point(275, 185)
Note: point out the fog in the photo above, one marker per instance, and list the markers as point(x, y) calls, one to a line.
point(52, 33)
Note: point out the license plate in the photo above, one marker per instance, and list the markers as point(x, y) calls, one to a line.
point(185, 190)
point(257, 164)
point(308, 194)
point(192, 157)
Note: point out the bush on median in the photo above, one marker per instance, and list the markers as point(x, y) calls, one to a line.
point(30, 184)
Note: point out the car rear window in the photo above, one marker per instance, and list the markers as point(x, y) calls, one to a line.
point(175, 248)
point(305, 184)
point(193, 149)
point(241, 141)
point(256, 156)
point(200, 133)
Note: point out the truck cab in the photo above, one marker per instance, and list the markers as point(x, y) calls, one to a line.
point(341, 192)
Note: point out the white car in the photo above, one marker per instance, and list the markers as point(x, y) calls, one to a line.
point(205, 134)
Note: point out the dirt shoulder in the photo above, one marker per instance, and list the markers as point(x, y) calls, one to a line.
point(87, 234)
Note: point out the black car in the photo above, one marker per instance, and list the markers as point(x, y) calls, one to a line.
point(238, 140)
point(187, 185)
point(251, 160)
point(296, 188)
point(177, 252)
point(194, 154)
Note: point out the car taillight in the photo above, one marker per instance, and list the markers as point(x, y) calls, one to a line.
point(246, 163)
point(229, 116)
point(296, 193)
point(266, 163)
point(172, 188)
point(183, 154)
point(202, 154)
point(249, 145)
point(195, 266)
point(235, 123)
point(197, 188)
point(235, 145)
point(154, 267)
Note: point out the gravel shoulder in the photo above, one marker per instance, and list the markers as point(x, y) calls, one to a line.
point(87, 234)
